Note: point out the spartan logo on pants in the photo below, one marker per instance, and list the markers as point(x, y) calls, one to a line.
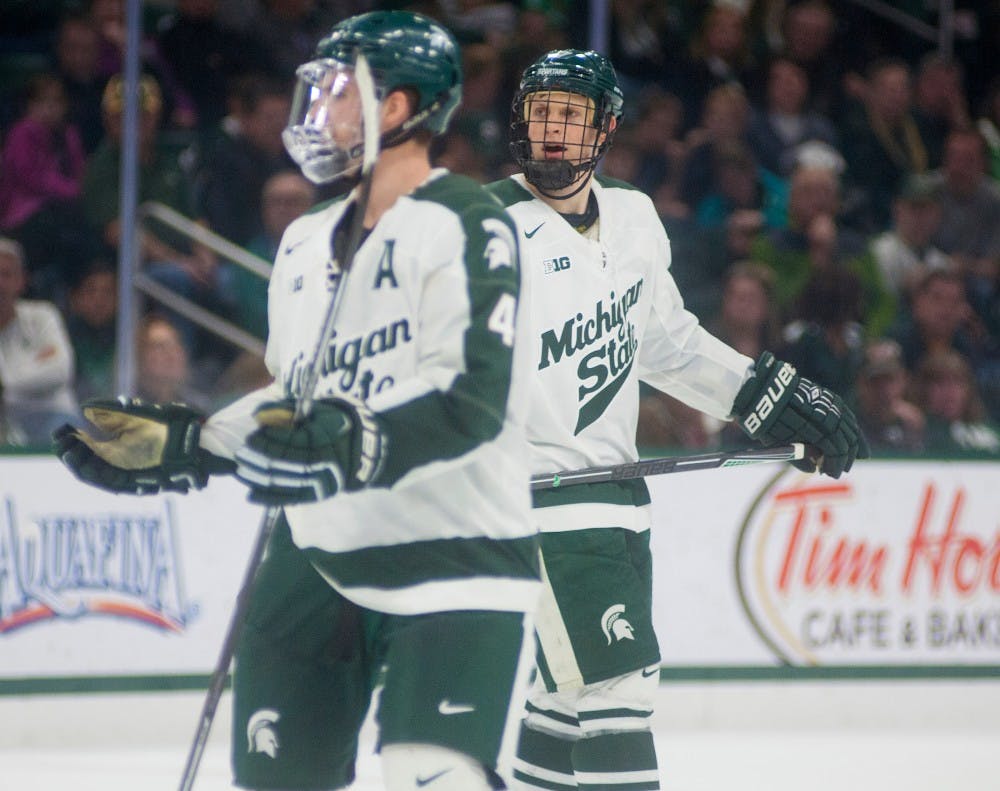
point(614, 625)
point(261, 737)
point(610, 343)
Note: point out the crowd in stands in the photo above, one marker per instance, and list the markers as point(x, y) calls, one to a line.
point(830, 182)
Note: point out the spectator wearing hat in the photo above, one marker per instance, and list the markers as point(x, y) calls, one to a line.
point(904, 253)
point(161, 177)
point(891, 423)
point(169, 257)
point(107, 17)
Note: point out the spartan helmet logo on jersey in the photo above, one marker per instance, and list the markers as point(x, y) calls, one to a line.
point(614, 625)
point(261, 737)
point(500, 248)
point(325, 134)
point(563, 119)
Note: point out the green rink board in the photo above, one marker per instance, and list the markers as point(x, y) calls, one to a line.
point(668, 675)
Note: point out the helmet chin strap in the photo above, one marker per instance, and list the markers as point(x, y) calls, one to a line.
point(409, 127)
point(550, 175)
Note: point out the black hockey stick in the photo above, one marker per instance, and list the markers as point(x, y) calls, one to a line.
point(668, 464)
point(217, 682)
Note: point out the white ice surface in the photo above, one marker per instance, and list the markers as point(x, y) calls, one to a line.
point(724, 736)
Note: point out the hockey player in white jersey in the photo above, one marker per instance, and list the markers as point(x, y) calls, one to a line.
point(407, 550)
point(604, 314)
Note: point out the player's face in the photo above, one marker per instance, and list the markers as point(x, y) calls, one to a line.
point(560, 126)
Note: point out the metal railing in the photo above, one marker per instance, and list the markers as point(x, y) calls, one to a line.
point(943, 35)
point(205, 319)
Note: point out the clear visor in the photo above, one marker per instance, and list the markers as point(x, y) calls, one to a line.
point(325, 132)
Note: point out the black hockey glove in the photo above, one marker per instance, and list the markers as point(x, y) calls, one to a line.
point(777, 406)
point(150, 448)
point(338, 446)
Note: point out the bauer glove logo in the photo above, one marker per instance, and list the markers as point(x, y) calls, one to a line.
point(769, 399)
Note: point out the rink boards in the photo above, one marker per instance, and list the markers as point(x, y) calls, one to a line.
point(893, 570)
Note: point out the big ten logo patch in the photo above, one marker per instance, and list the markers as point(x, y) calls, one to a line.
point(550, 265)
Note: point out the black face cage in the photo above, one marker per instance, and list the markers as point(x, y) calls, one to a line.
point(550, 175)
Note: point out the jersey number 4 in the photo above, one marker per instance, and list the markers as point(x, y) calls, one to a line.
point(501, 319)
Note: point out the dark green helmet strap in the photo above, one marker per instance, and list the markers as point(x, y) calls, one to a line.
point(409, 127)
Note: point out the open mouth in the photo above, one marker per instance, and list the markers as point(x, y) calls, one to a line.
point(554, 151)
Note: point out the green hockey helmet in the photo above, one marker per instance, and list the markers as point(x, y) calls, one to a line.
point(579, 72)
point(404, 50)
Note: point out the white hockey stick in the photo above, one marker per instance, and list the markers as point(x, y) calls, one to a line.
point(703, 461)
point(217, 682)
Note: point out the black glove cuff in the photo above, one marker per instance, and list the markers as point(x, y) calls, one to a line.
point(368, 443)
point(764, 395)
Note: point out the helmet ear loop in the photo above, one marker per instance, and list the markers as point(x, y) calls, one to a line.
point(606, 127)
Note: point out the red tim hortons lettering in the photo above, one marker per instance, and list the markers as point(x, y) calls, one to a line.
point(961, 562)
point(814, 555)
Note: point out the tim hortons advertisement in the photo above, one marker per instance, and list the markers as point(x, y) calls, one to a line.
point(98, 584)
point(893, 564)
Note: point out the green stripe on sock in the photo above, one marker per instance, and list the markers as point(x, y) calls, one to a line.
point(535, 782)
point(545, 751)
point(615, 752)
point(607, 714)
point(652, 785)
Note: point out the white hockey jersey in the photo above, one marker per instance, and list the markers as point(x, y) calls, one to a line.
point(425, 336)
point(606, 314)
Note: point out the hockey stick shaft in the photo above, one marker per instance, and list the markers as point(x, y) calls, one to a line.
point(217, 682)
point(303, 406)
point(3, 417)
point(663, 466)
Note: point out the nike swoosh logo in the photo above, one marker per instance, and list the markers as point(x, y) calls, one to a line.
point(529, 234)
point(422, 781)
point(446, 707)
point(653, 672)
point(293, 245)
